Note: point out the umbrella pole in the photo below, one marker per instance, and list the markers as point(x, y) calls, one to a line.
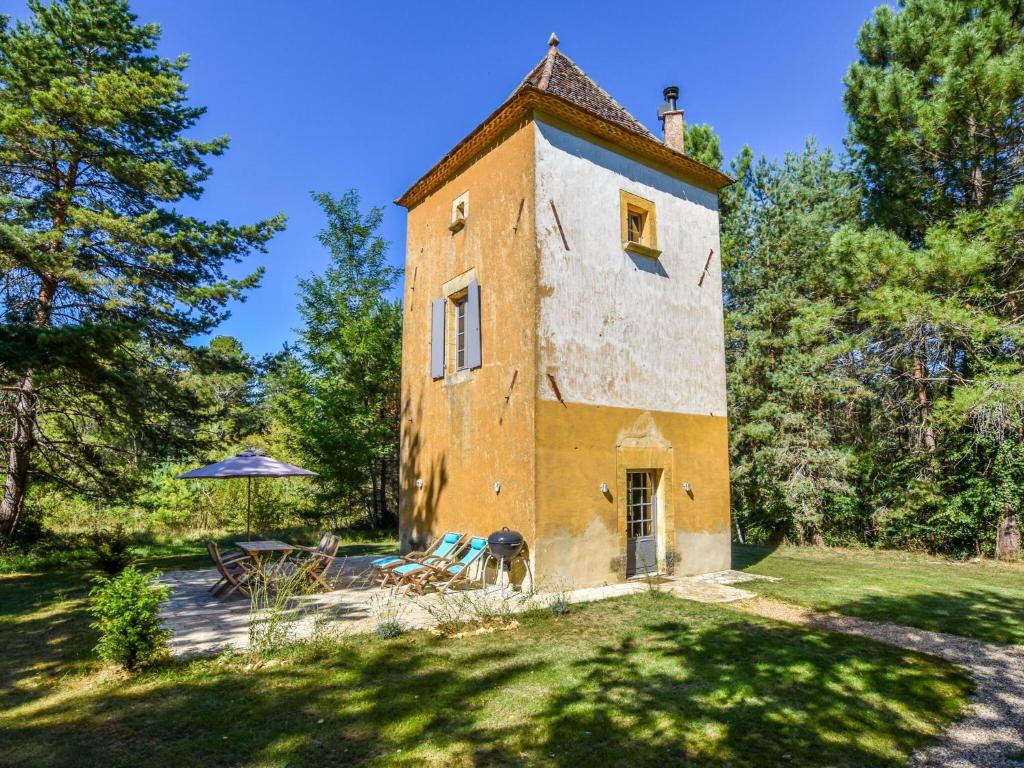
point(248, 506)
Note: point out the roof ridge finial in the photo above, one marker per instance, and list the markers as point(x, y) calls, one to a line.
point(553, 40)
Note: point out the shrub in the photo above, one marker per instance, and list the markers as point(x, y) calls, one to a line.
point(273, 614)
point(112, 548)
point(387, 630)
point(450, 612)
point(127, 611)
point(388, 611)
point(560, 604)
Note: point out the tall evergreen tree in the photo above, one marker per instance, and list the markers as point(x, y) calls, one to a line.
point(103, 281)
point(786, 333)
point(939, 302)
point(937, 131)
point(937, 109)
point(339, 392)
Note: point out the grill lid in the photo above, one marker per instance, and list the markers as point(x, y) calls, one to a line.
point(505, 543)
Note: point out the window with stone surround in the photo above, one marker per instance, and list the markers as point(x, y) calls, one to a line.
point(639, 225)
point(460, 212)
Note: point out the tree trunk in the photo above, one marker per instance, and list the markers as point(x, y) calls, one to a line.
point(385, 514)
point(373, 499)
point(1008, 535)
point(924, 405)
point(19, 456)
point(22, 440)
point(977, 180)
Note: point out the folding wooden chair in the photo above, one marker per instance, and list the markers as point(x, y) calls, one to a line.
point(441, 550)
point(315, 566)
point(234, 571)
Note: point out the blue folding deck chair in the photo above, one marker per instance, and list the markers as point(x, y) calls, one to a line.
point(443, 549)
point(440, 574)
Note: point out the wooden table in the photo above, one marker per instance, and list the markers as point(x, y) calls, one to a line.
point(262, 552)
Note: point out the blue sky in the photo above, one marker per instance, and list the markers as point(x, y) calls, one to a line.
point(322, 95)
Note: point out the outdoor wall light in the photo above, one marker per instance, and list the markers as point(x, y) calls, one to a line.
point(687, 487)
point(497, 486)
point(604, 487)
point(419, 482)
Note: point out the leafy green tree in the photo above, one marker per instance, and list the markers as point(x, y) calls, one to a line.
point(104, 282)
point(338, 392)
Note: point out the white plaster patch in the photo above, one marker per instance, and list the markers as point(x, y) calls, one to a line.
point(614, 328)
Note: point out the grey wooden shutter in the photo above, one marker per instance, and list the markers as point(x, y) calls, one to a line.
point(437, 339)
point(473, 359)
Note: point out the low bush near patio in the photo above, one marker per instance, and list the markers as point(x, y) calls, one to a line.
point(457, 611)
point(112, 548)
point(127, 611)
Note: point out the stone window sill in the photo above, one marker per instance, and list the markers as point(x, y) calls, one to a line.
point(641, 250)
point(458, 377)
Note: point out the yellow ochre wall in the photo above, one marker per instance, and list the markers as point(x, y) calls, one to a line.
point(462, 434)
point(580, 531)
point(498, 423)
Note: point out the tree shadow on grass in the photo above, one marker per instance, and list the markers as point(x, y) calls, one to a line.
point(637, 681)
point(748, 693)
point(746, 555)
point(334, 712)
point(44, 632)
point(974, 613)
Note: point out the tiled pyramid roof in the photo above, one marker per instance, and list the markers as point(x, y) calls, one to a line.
point(558, 75)
point(562, 90)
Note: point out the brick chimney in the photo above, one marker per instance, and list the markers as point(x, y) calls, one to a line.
point(672, 119)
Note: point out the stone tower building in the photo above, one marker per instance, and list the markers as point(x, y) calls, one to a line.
point(563, 369)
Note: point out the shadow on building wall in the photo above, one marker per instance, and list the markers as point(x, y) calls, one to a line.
point(418, 505)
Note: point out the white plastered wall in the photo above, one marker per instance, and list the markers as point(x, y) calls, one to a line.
point(617, 329)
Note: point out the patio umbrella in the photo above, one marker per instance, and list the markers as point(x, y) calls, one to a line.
point(247, 464)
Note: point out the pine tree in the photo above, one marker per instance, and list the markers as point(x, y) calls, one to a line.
point(786, 317)
point(339, 392)
point(937, 109)
point(937, 131)
point(104, 282)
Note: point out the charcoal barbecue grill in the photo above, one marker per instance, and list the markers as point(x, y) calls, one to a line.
point(504, 548)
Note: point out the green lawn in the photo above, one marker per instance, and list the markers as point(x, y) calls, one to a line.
point(983, 600)
point(645, 680)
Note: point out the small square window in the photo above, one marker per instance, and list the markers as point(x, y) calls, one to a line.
point(639, 225)
point(460, 212)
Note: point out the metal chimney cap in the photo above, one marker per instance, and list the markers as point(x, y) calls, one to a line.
point(671, 94)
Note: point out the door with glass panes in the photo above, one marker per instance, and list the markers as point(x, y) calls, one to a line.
point(641, 529)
